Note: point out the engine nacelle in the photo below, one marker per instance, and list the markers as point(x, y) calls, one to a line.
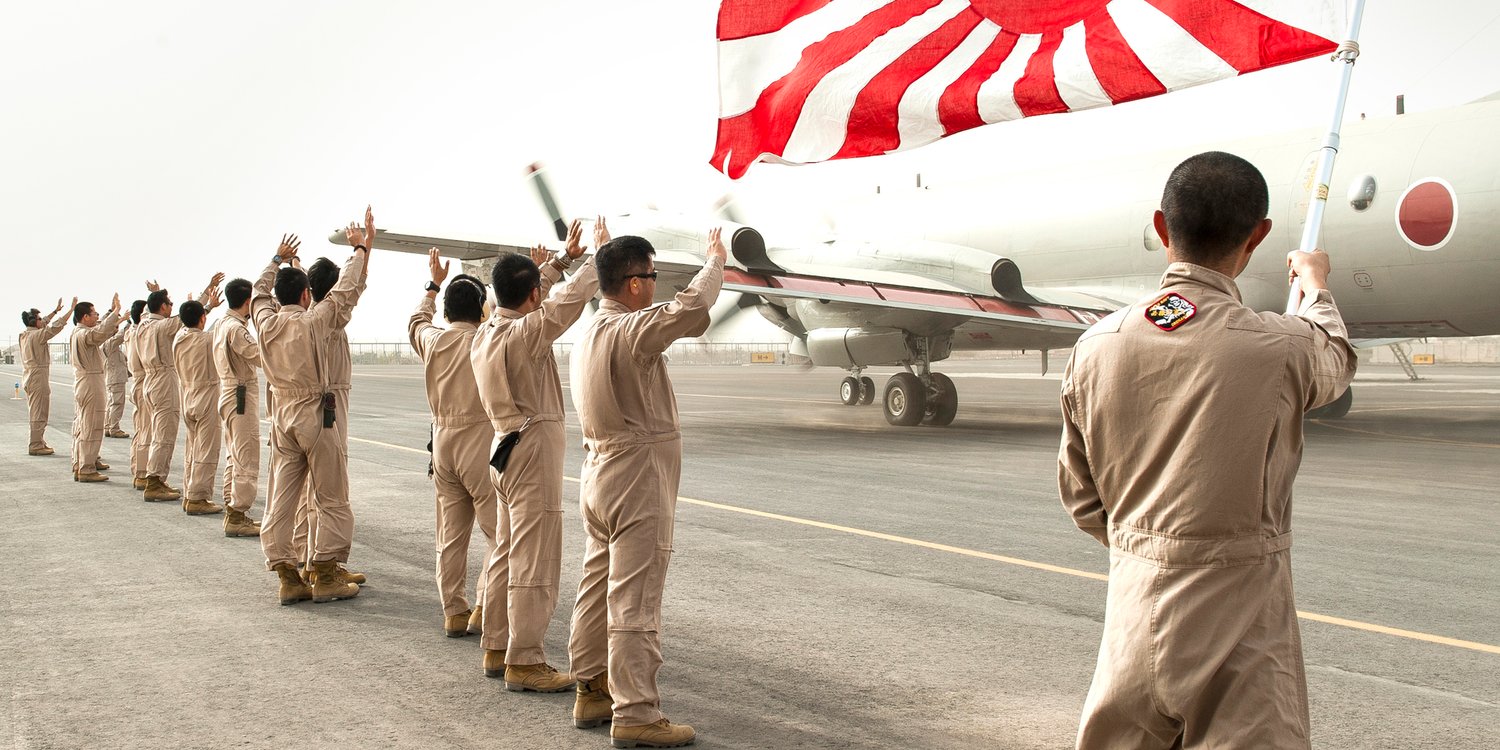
point(847, 347)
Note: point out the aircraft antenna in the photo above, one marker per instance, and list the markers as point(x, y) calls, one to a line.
point(1347, 53)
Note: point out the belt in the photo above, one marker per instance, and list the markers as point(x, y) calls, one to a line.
point(1168, 551)
point(460, 420)
point(617, 442)
point(513, 423)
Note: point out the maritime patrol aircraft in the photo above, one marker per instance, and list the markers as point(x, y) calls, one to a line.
point(1412, 222)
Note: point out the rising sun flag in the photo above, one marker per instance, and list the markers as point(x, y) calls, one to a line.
point(805, 81)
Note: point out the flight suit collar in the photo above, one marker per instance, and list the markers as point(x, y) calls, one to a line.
point(151, 316)
point(293, 308)
point(607, 305)
point(1190, 273)
point(237, 316)
point(509, 314)
point(463, 325)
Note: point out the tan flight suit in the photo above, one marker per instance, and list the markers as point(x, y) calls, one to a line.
point(140, 418)
point(518, 381)
point(116, 372)
point(291, 350)
point(36, 363)
point(192, 353)
point(461, 438)
point(236, 357)
point(88, 390)
point(162, 391)
point(1179, 451)
point(340, 369)
point(628, 494)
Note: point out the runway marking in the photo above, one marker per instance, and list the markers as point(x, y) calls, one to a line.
point(1310, 616)
point(757, 398)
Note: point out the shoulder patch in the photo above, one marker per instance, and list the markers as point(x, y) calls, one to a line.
point(1170, 312)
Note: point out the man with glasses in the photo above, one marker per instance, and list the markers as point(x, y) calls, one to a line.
point(629, 486)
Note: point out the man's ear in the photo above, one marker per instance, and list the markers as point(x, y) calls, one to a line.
point(1159, 220)
point(1258, 235)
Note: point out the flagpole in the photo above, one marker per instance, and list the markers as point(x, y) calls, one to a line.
point(1347, 53)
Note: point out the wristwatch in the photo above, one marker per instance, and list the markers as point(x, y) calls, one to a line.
point(432, 286)
point(276, 259)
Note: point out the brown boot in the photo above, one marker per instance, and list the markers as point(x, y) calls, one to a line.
point(157, 491)
point(661, 734)
point(292, 590)
point(592, 703)
point(349, 575)
point(138, 483)
point(92, 476)
point(476, 621)
point(100, 465)
point(456, 626)
point(538, 678)
point(494, 662)
point(236, 523)
point(328, 585)
point(201, 507)
point(117, 433)
point(45, 450)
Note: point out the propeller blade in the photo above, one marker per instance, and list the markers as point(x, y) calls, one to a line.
point(544, 191)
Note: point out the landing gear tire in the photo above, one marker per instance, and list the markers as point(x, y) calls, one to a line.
point(905, 399)
point(866, 391)
point(943, 406)
point(1335, 409)
point(849, 391)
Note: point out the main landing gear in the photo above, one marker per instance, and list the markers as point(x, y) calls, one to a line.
point(910, 398)
point(1335, 409)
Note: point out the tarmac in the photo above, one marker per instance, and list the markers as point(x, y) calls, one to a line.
point(837, 582)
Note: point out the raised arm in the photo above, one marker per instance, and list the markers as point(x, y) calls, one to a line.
point(263, 302)
point(420, 330)
point(338, 306)
point(1332, 356)
point(687, 313)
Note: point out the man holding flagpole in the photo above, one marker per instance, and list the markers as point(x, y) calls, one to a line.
point(1182, 435)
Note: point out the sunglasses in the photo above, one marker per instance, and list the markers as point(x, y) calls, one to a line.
point(651, 275)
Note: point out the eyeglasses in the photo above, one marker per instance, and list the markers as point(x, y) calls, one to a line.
point(651, 275)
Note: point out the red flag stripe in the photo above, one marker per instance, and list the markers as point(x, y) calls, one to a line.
point(1036, 92)
point(1245, 39)
point(741, 18)
point(958, 107)
point(874, 122)
point(766, 128)
point(1120, 72)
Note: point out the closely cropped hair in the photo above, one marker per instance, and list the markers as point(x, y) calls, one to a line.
point(463, 300)
point(81, 309)
point(1212, 203)
point(155, 301)
point(30, 317)
point(191, 313)
point(321, 276)
point(619, 258)
point(514, 277)
point(136, 308)
point(237, 292)
point(289, 286)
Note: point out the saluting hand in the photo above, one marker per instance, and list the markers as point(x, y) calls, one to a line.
point(716, 247)
point(575, 236)
point(436, 265)
point(601, 232)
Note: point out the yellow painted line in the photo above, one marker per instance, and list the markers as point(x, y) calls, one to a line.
point(1311, 616)
point(1398, 632)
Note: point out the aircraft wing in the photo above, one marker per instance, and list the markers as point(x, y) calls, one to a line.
point(978, 321)
point(418, 244)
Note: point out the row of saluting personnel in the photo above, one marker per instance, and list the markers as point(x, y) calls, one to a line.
point(1182, 436)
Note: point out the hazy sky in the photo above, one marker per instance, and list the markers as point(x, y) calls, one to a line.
point(170, 140)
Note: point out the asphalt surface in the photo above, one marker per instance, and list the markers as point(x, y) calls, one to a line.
point(838, 583)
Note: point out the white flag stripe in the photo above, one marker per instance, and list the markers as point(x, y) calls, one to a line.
point(997, 96)
point(1076, 82)
point(1166, 49)
point(1324, 19)
point(747, 66)
point(918, 121)
point(822, 125)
